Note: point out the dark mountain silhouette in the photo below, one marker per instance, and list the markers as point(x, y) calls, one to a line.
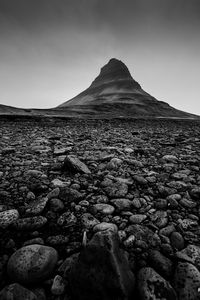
point(113, 94)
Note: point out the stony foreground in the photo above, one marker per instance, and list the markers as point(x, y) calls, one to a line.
point(125, 195)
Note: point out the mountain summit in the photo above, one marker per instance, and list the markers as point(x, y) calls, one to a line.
point(114, 93)
point(113, 85)
point(115, 71)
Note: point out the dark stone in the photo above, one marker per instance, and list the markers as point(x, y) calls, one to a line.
point(160, 263)
point(186, 282)
point(102, 270)
point(72, 163)
point(152, 286)
point(16, 291)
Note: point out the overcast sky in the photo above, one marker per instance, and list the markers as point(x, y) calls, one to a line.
point(51, 50)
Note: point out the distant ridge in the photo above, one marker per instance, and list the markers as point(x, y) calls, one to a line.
point(113, 94)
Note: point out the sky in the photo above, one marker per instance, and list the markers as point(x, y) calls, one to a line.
point(51, 50)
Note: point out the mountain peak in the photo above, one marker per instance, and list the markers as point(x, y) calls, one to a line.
point(114, 70)
point(115, 66)
point(114, 93)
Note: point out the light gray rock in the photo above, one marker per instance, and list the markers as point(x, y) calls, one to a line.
point(170, 158)
point(122, 204)
point(187, 203)
point(8, 217)
point(129, 242)
point(36, 207)
point(67, 219)
point(32, 264)
point(160, 218)
point(73, 163)
point(116, 190)
point(104, 209)
point(137, 218)
point(136, 203)
point(105, 226)
point(88, 221)
point(187, 224)
point(58, 286)
point(114, 163)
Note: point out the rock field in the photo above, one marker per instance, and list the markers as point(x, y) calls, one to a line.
point(99, 209)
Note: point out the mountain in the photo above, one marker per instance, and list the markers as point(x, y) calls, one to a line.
point(114, 93)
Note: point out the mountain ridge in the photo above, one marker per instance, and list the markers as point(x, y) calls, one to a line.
point(112, 94)
point(115, 92)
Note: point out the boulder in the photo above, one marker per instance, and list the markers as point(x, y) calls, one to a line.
point(36, 207)
point(8, 217)
point(151, 286)
point(160, 263)
point(186, 282)
point(116, 190)
point(191, 255)
point(16, 291)
point(30, 223)
point(72, 163)
point(32, 264)
point(105, 226)
point(36, 181)
point(102, 270)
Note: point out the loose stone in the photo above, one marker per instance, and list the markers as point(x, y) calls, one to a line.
point(56, 205)
point(32, 264)
point(58, 286)
point(177, 240)
point(74, 164)
point(190, 254)
point(17, 292)
point(57, 240)
point(152, 286)
point(122, 204)
point(186, 282)
point(160, 263)
point(67, 219)
point(8, 217)
point(31, 223)
point(89, 221)
point(105, 226)
point(137, 219)
point(129, 242)
point(36, 207)
point(104, 209)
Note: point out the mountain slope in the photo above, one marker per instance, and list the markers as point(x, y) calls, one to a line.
point(115, 93)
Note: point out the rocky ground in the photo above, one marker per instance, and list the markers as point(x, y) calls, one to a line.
point(126, 191)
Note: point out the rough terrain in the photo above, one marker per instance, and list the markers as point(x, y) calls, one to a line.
point(64, 182)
